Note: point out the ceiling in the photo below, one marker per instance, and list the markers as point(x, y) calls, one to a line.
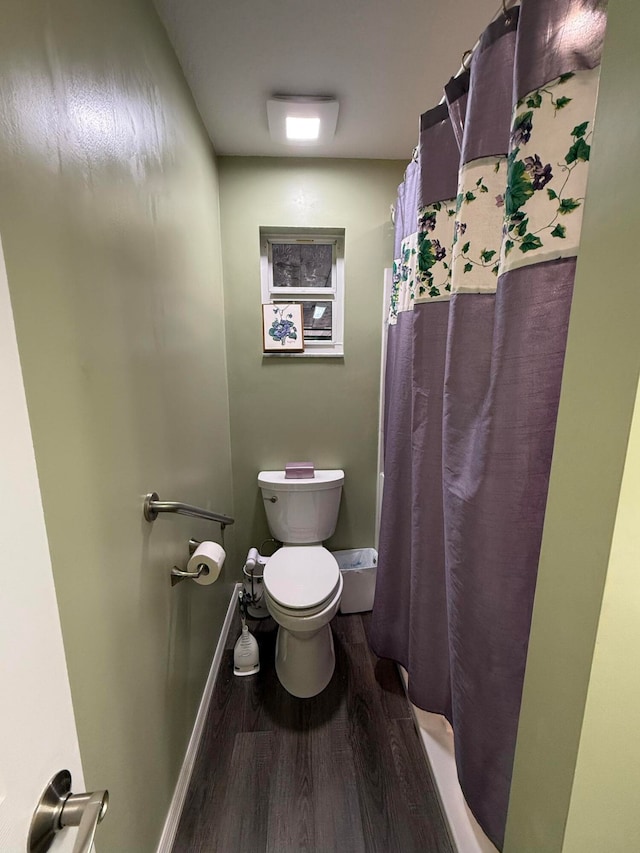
point(385, 61)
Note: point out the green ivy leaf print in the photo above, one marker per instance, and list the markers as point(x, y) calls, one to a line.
point(564, 77)
point(495, 269)
point(578, 151)
point(487, 254)
point(406, 255)
point(530, 243)
point(519, 188)
point(434, 291)
point(469, 197)
point(527, 175)
point(523, 119)
point(468, 267)
point(567, 205)
point(426, 255)
point(465, 248)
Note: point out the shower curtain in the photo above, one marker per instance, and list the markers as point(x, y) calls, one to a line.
point(487, 231)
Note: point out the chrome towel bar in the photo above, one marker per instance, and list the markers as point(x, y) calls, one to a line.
point(153, 506)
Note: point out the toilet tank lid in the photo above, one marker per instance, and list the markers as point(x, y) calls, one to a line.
point(276, 481)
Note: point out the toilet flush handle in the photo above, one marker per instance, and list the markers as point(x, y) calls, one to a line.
point(273, 499)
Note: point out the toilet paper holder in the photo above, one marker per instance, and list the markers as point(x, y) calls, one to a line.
point(178, 574)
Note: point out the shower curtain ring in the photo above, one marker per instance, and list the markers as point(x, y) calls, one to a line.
point(505, 12)
point(465, 56)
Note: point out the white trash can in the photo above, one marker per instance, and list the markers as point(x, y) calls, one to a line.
point(358, 567)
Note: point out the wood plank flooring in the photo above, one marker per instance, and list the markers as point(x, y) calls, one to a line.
point(343, 771)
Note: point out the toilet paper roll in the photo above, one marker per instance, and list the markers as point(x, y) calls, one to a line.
point(211, 555)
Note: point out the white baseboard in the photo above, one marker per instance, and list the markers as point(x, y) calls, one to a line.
point(437, 740)
point(177, 801)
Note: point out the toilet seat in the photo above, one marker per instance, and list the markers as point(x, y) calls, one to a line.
point(301, 579)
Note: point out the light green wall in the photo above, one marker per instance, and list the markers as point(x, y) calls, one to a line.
point(560, 769)
point(325, 410)
point(604, 813)
point(109, 220)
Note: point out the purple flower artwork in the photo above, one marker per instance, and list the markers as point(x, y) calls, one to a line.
point(282, 326)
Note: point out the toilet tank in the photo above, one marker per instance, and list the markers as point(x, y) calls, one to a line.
point(300, 512)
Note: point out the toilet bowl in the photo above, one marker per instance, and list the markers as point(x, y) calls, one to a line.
point(302, 588)
point(302, 581)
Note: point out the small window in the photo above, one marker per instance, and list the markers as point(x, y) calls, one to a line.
point(307, 266)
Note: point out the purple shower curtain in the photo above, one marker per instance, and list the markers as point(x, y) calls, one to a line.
point(487, 232)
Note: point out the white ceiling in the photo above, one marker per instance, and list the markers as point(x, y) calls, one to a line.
point(385, 60)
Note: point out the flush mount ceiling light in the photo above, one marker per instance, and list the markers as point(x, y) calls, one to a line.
point(302, 129)
point(302, 120)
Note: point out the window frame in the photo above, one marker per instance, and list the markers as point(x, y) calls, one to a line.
point(333, 348)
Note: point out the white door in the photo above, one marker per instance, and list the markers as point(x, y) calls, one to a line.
point(37, 728)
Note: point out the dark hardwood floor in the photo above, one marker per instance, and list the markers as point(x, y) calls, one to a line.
point(343, 771)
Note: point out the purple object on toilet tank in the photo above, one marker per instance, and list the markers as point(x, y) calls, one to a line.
point(299, 471)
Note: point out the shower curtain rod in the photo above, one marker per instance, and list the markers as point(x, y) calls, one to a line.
point(466, 57)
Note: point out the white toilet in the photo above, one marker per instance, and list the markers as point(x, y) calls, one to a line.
point(302, 581)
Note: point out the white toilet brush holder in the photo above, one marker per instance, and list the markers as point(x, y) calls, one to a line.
point(246, 657)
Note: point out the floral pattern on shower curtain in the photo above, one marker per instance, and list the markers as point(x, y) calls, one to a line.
point(487, 232)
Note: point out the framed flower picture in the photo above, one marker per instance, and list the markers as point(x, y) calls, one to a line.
point(282, 328)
